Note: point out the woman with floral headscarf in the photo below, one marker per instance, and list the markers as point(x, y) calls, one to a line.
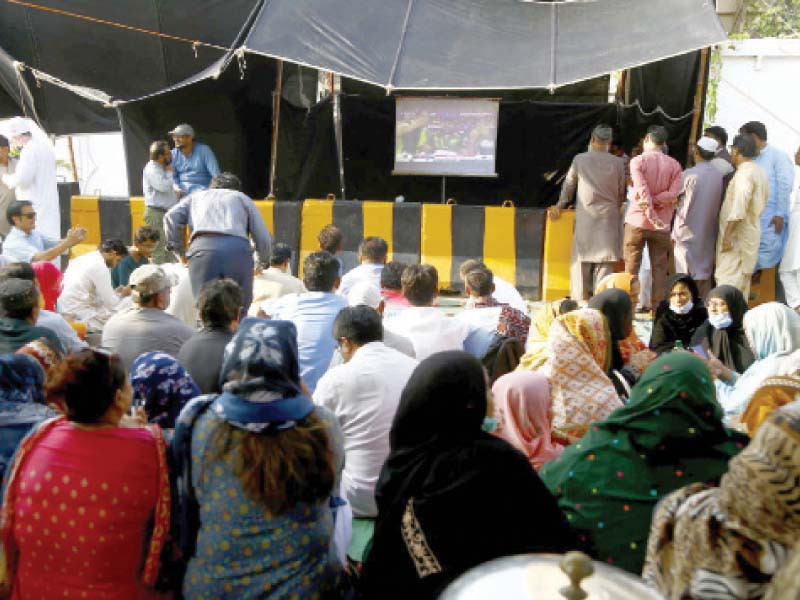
point(258, 465)
point(162, 387)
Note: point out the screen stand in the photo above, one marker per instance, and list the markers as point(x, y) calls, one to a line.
point(444, 195)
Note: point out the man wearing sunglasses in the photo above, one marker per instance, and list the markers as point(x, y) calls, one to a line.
point(25, 244)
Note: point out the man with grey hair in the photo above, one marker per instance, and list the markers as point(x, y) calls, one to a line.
point(596, 184)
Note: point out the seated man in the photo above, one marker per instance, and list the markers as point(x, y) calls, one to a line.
point(504, 292)
point(25, 244)
point(19, 303)
point(363, 394)
point(487, 313)
point(372, 255)
point(277, 280)
point(87, 294)
point(145, 327)
point(47, 319)
point(428, 328)
point(144, 244)
point(313, 313)
point(392, 288)
point(331, 240)
point(219, 304)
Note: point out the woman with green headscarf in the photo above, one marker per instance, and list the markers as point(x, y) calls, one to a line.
point(670, 434)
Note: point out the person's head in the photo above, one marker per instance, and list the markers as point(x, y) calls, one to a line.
point(718, 133)
point(683, 293)
point(771, 328)
point(567, 305)
point(226, 181)
point(726, 307)
point(5, 149)
point(145, 240)
point(656, 138)
point(19, 299)
point(797, 156)
point(281, 257)
point(162, 387)
point(468, 265)
point(20, 131)
point(150, 287)
point(705, 149)
point(602, 136)
point(365, 293)
point(756, 130)
point(22, 379)
point(420, 284)
point(616, 306)
point(24, 271)
point(356, 326)
point(183, 136)
point(373, 250)
point(46, 353)
point(321, 272)
point(220, 304)
point(49, 279)
point(621, 281)
point(522, 409)
point(330, 239)
point(21, 215)
point(479, 283)
point(743, 149)
point(159, 152)
point(283, 458)
point(112, 250)
point(391, 276)
point(92, 387)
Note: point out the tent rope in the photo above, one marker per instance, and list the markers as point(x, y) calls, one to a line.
point(65, 13)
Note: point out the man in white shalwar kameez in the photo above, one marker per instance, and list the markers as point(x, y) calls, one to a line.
point(790, 265)
point(35, 176)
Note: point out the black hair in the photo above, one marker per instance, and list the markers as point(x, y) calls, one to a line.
point(330, 239)
point(359, 324)
point(745, 144)
point(480, 281)
point(18, 270)
point(280, 254)
point(226, 181)
point(420, 283)
point(4, 142)
point(146, 234)
point(374, 249)
point(219, 303)
point(158, 148)
point(658, 134)
point(15, 209)
point(468, 265)
point(756, 128)
point(18, 298)
point(320, 271)
point(705, 154)
point(719, 133)
point(392, 274)
point(113, 245)
point(567, 306)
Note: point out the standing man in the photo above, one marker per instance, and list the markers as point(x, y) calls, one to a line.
point(775, 218)
point(160, 194)
point(599, 179)
point(696, 221)
point(193, 163)
point(7, 167)
point(790, 265)
point(35, 176)
point(739, 227)
point(222, 220)
point(656, 185)
point(722, 160)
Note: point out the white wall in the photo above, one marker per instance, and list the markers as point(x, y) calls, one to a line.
point(100, 162)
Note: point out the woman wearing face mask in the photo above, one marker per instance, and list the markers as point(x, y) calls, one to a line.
point(723, 333)
point(679, 316)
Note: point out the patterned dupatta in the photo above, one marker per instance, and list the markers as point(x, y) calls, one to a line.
point(579, 357)
point(161, 516)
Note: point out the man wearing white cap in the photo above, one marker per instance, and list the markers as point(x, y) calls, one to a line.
point(694, 232)
point(35, 176)
point(193, 163)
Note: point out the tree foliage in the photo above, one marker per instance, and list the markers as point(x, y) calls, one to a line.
point(770, 18)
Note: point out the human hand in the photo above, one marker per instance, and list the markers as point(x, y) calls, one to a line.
point(76, 235)
point(718, 370)
point(778, 223)
point(124, 290)
point(554, 212)
point(727, 244)
point(136, 418)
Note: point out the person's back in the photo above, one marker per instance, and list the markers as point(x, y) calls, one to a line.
point(277, 280)
point(601, 176)
point(372, 253)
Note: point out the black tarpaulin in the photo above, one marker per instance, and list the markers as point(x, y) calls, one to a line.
point(480, 44)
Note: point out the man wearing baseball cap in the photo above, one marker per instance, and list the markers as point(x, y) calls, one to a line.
point(145, 327)
point(697, 218)
point(193, 163)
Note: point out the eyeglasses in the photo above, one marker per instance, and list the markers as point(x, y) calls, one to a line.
point(30, 215)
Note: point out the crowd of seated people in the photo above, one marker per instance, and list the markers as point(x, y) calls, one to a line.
point(337, 443)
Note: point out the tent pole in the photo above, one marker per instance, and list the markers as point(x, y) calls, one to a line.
point(72, 159)
point(337, 128)
point(698, 99)
point(276, 119)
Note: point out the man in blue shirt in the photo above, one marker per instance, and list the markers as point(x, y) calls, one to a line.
point(25, 244)
point(313, 313)
point(193, 163)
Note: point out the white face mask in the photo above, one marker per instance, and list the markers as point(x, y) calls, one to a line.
point(720, 321)
point(682, 310)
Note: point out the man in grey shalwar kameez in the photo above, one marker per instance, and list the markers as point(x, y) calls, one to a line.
point(696, 225)
point(596, 184)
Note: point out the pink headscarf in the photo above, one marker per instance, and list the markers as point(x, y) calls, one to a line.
point(522, 406)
